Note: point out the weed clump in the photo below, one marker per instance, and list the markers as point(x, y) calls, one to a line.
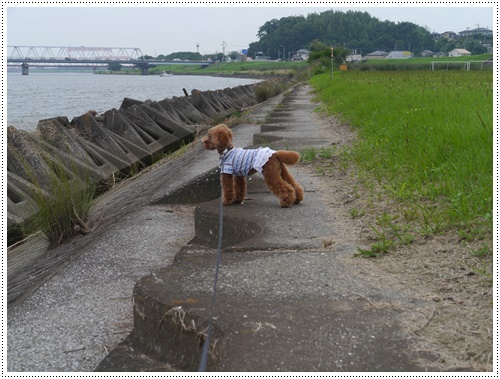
point(63, 204)
point(268, 89)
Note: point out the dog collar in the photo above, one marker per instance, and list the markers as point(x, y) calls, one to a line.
point(224, 155)
point(226, 150)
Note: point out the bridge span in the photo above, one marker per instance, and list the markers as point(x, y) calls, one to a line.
point(62, 56)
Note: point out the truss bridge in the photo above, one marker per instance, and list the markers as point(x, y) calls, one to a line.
point(73, 53)
point(96, 57)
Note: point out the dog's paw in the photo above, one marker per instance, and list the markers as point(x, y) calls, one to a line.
point(285, 203)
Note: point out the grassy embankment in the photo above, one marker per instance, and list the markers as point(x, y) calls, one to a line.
point(457, 63)
point(426, 138)
point(243, 69)
point(247, 69)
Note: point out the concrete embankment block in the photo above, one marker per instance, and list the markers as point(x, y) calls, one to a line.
point(99, 147)
point(203, 103)
point(93, 131)
point(184, 106)
point(139, 117)
point(167, 123)
point(125, 132)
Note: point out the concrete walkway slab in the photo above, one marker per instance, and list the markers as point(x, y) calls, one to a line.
point(290, 297)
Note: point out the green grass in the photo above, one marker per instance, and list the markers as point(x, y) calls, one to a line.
point(309, 154)
point(63, 206)
point(423, 63)
point(235, 68)
point(428, 60)
point(425, 137)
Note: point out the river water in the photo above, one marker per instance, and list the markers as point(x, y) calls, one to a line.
point(42, 95)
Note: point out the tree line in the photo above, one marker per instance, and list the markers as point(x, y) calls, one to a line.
point(352, 30)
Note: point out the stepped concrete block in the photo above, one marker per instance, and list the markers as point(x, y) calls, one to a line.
point(94, 147)
point(127, 103)
point(105, 161)
point(117, 123)
point(125, 132)
point(200, 101)
point(25, 158)
point(234, 99)
point(143, 154)
point(89, 129)
point(167, 123)
point(20, 204)
point(151, 142)
point(165, 107)
point(184, 105)
point(66, 145)
point(248, 92)
point(217, 102)
point(214, 101)
point(140, 118)
point(225, 102)
point(231, 97)
point(57, 133)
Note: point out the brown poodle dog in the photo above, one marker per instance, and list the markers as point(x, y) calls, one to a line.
point(238, 163)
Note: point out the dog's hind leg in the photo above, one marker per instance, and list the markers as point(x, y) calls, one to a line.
point(287, 177)
point(274, 180)
point(240, 189)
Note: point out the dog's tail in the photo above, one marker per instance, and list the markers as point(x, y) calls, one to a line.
point(288, 157)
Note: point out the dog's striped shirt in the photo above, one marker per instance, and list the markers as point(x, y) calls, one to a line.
point(239, 162)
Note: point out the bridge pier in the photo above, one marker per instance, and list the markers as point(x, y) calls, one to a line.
point(25, 68)
point(144, 69)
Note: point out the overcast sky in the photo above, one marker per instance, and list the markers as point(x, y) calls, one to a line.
point(168, 29)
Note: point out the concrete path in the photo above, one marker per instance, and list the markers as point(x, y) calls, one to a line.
point(290, 297)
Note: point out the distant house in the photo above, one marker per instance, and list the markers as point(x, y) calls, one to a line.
point(427, 53)
point(458, 53)
point(439, 54)
point(376, 55)
point(435, 36)
point(300, 55)
point(476, 31)
point(353, 58)
point(449, 35)
point(399, 55)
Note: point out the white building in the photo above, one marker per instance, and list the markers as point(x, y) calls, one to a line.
point(399, 55)
point(458, 53)
point(353, 58)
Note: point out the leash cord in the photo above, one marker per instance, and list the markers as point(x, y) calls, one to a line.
point(206, 344)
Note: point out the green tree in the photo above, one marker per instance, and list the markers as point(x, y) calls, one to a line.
point(353, 30)
point(114, 66)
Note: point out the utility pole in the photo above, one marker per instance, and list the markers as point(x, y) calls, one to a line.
point(331, 57)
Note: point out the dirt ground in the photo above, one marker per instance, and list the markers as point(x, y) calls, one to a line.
point(458, 324)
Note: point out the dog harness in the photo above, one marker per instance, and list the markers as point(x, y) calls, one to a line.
point(239, 162)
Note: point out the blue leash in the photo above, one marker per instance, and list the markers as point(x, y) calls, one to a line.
point(206, 343)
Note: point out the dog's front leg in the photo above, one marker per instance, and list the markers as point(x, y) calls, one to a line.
point(240, 189)
point(228, 195)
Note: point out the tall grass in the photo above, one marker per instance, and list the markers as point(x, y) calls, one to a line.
point(426, 136)
point(269, 88)
point(63, 203)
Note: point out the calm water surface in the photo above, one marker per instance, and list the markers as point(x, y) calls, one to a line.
point(39, 96)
